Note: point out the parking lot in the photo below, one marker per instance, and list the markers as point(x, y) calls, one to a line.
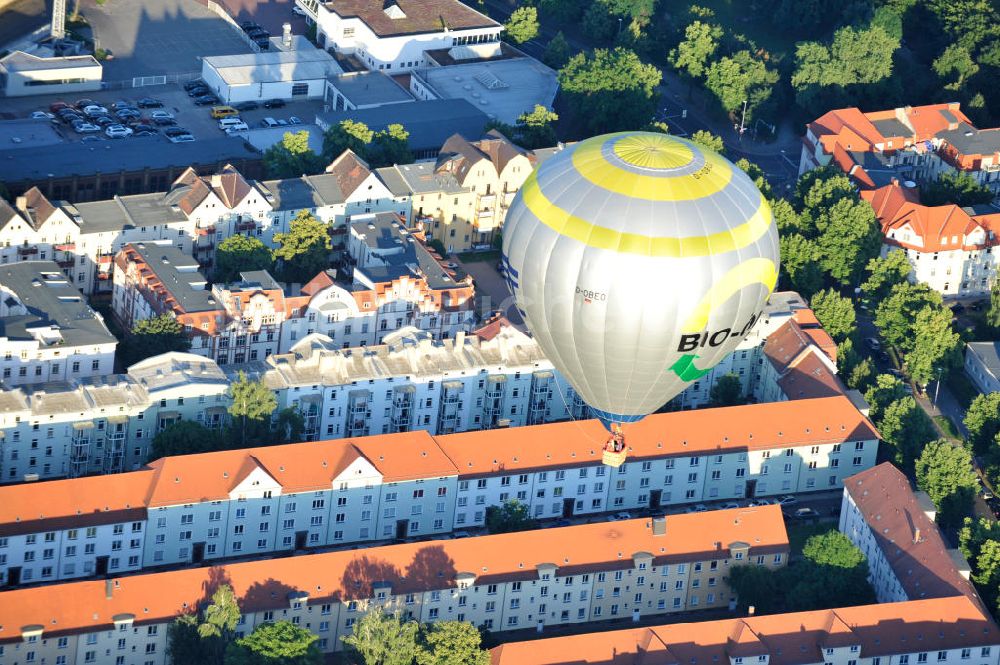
point(24, 132)
point(270, 14)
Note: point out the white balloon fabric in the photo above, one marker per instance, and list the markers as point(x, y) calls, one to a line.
point(639, 261)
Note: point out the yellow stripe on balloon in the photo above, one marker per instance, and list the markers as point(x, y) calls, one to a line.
point(568, 224)
point(656, 154)
point(752, 271)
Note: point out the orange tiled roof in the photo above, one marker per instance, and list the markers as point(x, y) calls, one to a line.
point(414, 567)
point(808, 378)
point(896, 209)
point(790, 639)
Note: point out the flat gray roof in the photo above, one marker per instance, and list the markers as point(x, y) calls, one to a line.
point(420, 177)
point(502, 89)
point(126, 212)
point(971, 141)
point(383, 231)
point(19, 61)
point(179, 273)
point(270, 66)
point(892, 127)
point(50, 300)
point(370, 87)
point(429, 122)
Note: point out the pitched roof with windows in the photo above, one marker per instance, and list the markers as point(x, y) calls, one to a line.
point(77, 607)
point(787, 639)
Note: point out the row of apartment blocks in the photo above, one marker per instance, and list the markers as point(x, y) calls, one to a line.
point(572, 575)
point(887, 154)
point(495, 377)
point(196, 508)
point(393, 281)
point(461, 198)
point(929, 611)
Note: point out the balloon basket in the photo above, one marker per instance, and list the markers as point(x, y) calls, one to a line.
point(613, 458)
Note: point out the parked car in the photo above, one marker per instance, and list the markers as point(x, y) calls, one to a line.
point(224, 112)
point(196, 83)
point(55, 107)
point(181, 138)
point(873, 344)
point(274, 103)
point(205, 100)
point(298, 11)
point(42, 115)
point(621, 516)
point(255, 33)
point(268, 122)
point(144, 132)
point(294, 120)
point(121, 104)
point(282, 122)
point(175, 131)
point(143, 127)
point(198, 91)
point(161, 114)
point(104, 120)
point(163, 122)
point(697, 508)
point(248, 25)
point(85, 128)
point(787, 500)
point(125, 114)
point(94, 109)
point(117, 131)
point(247, 106)
point(263, 44)
point(731, 505)
point(805, 514)
point(81, 103)
point(237, 128)
point(92, 138)
point(149, 103)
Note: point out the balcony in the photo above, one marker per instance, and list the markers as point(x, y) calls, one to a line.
point(246, 225)
point(205, 231)
point(65, 247)
point(66, 260)
point(27, 250)
point(104, 259)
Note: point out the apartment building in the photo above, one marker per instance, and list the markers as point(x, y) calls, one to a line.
point(393, 36)
point(949, 631)
point(982, 365)
point(894, 526)
point(463, 196)
point(886, 154)
point(361, 490)
point(799, 361)
point(49, 332)
point(531, 579)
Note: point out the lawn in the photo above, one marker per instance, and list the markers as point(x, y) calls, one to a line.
point(798, 534)
point(948, 427)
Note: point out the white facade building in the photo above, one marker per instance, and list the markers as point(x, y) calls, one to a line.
point(982, 365)
point(23, 74)
point(295, 74)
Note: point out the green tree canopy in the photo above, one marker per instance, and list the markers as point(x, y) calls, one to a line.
point(883, 274)
point(388, 147)
point(701, 41)
point(709, 140)
point(785, 216)
point(982, 419)
point(861, 375)
point(184, 437)
point(292, 157)
point(251, 407)
point(610, 90)
point(800, 264)
point(993, 311)
point(304, 251)
point(511, 515)
point(281, 643)
point(557, 51)
point(738, 78)
point(955, 65)
point(906, 429)
point(835, 313)
point(960, 189)
point(452, 643)
point(347, 135)
point(522, 25)
point(935, 345)
point(151, 337)
point(727, 391)
point(833, 549)
point(849, 238)
point(383, 639)
point(536, 128)
point(222, 614)
point(240, 253)
point(895, 315)
point(886, 390)
point(945, 472)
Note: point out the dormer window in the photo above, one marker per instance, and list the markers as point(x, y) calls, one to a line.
point(392, 10)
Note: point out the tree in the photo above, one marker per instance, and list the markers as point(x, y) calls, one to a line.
point(833, 549)
point(292, 157)
point(884, 273)
point(785, 216)
point(347, 135)
point(511, 515)
point(973, 534)
point(701, 41)
point(861, 375)
point(907, 429)
point(757, 586)
point(955, 63)
point(835, 313)
point(151, 337)
point(982, 419)
point(222, 614)
point(389, 147)
point(960, 189)
point(759, 177)
point(708, 140)
point(184, 645)
point(610, 90)
point(895, 315)
point(738, 78)
point(935, 345)
point(304, 250)
point(800, 264)
point(816, 192)
point(290, 425)
point(184, 437)
point(557, 51)
point(727, 391)
point(536, 128)
point(849, 238)
point(886, 390)
point(251, 407)
point(280, 643)
point(945, 472)
point(993, 312)
point(384, 639)
point(522, 25)
point(240, 253)
point(452, 643)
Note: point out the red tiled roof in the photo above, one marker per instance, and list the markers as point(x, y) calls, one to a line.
point(808, 378)
point(414, 567)
point(934, 225)
point(790, 639)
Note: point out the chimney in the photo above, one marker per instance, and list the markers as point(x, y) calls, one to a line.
point(751, 610)
point(286, 36)
point(916, 535)
point(216, 180)
point(21, 203)
point(109, 588)
point(659, 526)
point(460, 339)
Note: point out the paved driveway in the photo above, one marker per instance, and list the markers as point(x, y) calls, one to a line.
point(155, 37)
point(489, 284)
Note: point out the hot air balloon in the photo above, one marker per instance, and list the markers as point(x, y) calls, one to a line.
point(638, 262)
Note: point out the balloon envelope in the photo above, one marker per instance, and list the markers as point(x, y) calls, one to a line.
point(638, 261)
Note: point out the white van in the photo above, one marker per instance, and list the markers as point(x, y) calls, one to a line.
point(237, 128)
point(268, 122)
point(226, 123)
